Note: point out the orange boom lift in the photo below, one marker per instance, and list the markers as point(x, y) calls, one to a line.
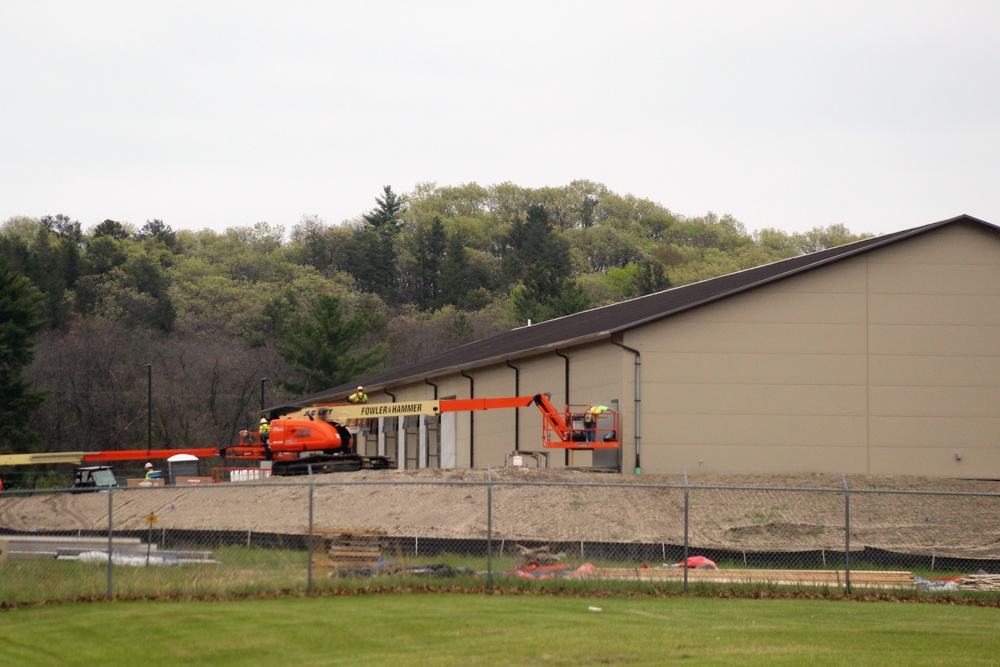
point(314, 439)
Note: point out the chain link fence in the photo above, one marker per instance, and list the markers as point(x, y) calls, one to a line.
point(328, 532)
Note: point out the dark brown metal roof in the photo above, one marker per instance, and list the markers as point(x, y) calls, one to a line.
point(602, 323)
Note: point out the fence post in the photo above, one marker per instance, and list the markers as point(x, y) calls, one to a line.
point(111, 526)
point(847, 533)
point(309, 567)
point(489, 529)
point(687, 502)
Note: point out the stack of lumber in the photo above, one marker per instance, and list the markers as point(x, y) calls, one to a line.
point(980, 582)
point(883, 579)
point(349, 548)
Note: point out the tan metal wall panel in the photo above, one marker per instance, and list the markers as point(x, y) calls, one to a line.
point(919, 432)
point(781, 369)
point(494, 429)
point(935, 401)
point(934, 278)
point(899, 350)
point(776, 459)
point(765, 338)
point(936, 309)
point(937, 371)
point(756, 400)
point(764, 431)
point(917, 340)
point(772, 306)
point(934, 462)
point(774, 379)
point(842, 277)
point(955, 245)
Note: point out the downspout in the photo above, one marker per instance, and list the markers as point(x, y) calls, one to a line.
point(638, 400)
point(472, 421)
point(427, 453)
point(566, 389)
point(517, 411)
point(385, 390)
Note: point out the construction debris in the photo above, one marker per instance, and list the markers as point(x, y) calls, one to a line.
point(348, 548)
point(537, 557)
point(980, 582)
point(124, 550)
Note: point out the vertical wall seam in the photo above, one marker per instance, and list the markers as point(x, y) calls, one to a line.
point(868, 366)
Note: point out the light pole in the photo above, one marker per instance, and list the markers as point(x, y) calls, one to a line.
point(263, 381)
point(149, 407)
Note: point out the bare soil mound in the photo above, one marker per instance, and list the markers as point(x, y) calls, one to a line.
point(754, 512)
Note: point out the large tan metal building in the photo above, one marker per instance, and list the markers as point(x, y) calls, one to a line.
point(876, 357)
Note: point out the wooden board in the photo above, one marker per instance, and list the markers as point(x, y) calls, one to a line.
point(888, 579)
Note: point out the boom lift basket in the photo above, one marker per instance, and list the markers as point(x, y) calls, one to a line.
point(575, 430)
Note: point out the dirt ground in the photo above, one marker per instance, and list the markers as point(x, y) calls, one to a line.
point(946, 517)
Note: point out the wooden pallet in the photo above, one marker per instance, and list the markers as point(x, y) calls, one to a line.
point(882, 579)
point(348, 547)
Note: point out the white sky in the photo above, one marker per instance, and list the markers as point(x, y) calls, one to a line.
point(880, 115)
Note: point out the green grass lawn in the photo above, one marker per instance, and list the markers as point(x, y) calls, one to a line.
point(498, 630)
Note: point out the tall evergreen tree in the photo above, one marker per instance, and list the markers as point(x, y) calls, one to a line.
point(431, 242)
point(325, 347)
point(386, 214)
point(546, 290)
point(456, 274)
point(375, 249)
point(20, 305)
point(650, 278)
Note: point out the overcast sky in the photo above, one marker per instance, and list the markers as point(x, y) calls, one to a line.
point(792, 114)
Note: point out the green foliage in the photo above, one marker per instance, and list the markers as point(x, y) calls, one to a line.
point(542, 260)
point(645, 277)
point(324, 346)
point(385, 216)
point(19, 321)
point(429, 253)
point(457, 277)
point(501, 253)
point(821, 238)
point(113, 229)
point(158, 230)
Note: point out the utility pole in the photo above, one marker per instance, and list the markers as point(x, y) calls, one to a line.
point(149, 407)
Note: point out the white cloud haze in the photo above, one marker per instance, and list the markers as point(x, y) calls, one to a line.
point(878, 115)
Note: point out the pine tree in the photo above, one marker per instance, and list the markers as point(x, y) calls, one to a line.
point(375, 246)
point(20, 305)
point(324, 347)
point(650, 278)
point(431, 242)
point(386, 214)
point(546, 290)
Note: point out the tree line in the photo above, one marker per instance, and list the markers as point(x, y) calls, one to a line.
point(214, 314)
